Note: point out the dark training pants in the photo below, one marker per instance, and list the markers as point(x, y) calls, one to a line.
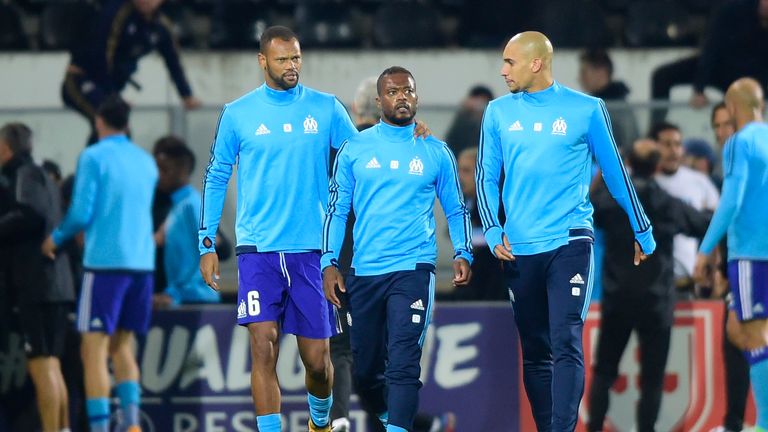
point(615, 329)
point(550, 295)
point(390, 315)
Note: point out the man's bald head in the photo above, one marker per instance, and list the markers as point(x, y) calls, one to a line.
point(744, 101)
point(533, 45)
point(528, 62)
point(644, 157)
point(746, 92)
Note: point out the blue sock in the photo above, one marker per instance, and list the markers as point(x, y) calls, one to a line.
point(319, 409)
point(393, 428)
point(98, 414)
point(384, 418)
point(129, 394)
point(758, 374)
point(269, 423)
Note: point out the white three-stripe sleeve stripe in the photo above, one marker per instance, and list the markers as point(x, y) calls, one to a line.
point(460, 195)
point(485, 211)
point(642, 220)
point(208, 169)
point(333, 197)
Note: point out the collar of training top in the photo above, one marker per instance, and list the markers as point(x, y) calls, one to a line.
point(280, 97)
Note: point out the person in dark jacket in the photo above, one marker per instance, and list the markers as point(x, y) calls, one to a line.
point(735, 47)
point(464, 131)
point(596, 79)
point(42, 287)
point(638, 298)
point(124, 32)
point(487, 283)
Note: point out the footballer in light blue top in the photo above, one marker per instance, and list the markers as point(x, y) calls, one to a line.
point(743, 209)
point(282, 160)
point(391, 179)
point(544, 143)
point(112, 202)
point(185, 285)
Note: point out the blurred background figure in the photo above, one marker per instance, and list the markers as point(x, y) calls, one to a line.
point(162, 205)
point(638, 299)
point(365, 110)
point(596, 79)
point(464, 131)
point(123, 33)
point(699, 156)
point(734, 48)
point(181, 257)
point(487, 283)
point(723, 127)
point(42, 287)
point(693, 187)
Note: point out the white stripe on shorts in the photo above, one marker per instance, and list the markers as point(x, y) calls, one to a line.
point(284, 268)
point(745, 288)
point(86, 297)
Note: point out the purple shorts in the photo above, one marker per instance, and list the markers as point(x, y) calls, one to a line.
point(286, 288)
point(749, 286)
point(112, 300)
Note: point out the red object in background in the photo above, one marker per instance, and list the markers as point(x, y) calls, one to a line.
point(694, 385)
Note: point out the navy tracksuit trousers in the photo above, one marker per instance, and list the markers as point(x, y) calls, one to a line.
point(390, 314)
point(550, 295)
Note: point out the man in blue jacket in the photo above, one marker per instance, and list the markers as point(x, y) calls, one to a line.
point(112, 203)
point(391, 179)
point(543, 137)
point(179, 231)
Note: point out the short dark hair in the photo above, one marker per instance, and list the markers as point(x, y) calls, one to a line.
point(598, 58)
point(115, 112)
point(275, 32)
point(52, 168)
point(166, 142)
point(391, 71)
point(720, 105)
point(180, 154)
point(644, 165)
point(18, 136)
point(660, 127)
point(481, 90)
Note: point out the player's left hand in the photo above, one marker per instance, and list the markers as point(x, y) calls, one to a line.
point(331, 278)
point(191, 103)
point(640, 256)
point(462, 272)
point(422, 130)
point(48, 248)
point(700, 272)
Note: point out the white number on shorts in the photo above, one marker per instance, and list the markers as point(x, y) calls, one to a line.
point(253, 303)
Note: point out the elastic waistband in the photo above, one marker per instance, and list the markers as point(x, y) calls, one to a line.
point(242, 250)
point(581, 234)
point(419, 266)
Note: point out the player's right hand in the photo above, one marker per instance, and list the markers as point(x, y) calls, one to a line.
point(209, 268)
point(331, 278)
point(504, 251)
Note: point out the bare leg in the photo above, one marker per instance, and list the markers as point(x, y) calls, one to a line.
point(45, 376)
point(264, 349)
